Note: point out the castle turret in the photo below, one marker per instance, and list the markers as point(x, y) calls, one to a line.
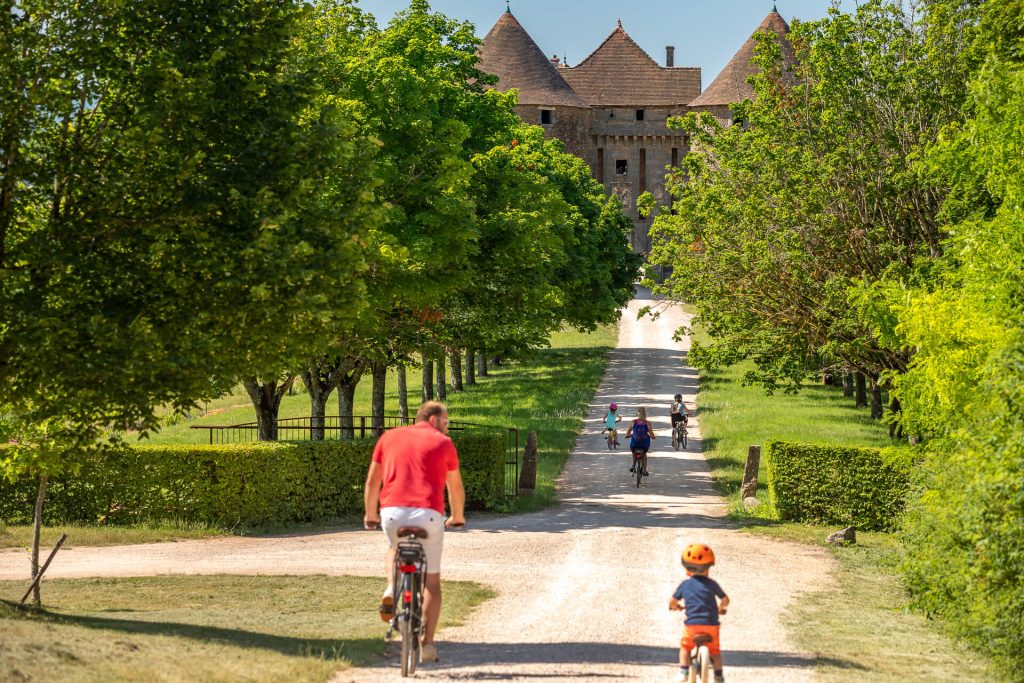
point(545, 98)
point(730, 86)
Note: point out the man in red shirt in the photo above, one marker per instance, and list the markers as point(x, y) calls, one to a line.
point(410, 469)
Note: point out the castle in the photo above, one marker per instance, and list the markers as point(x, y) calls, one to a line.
point(612, 108)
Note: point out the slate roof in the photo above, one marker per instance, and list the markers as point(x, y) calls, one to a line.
point(510, 53)
point(620, 73)
point(730, 86)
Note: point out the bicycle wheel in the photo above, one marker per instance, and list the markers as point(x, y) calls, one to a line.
point(707, 672)
point(675, 439)
point(684, 439)
point(639, 466)
point(408, 637)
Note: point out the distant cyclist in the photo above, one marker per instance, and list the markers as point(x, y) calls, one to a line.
point(640, 435)
point(610, 419)
point(678, 413)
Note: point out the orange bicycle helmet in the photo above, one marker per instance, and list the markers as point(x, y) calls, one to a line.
point(698, 557)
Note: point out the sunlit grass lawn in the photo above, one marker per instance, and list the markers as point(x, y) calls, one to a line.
point(20, 536)
point(202, 628)
point(547, 393)
point(734, 417)
point(860, 627)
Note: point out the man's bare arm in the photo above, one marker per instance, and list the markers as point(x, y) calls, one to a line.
point(371, 495)
point(456, 498)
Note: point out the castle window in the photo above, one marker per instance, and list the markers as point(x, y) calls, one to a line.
point(546, 117)
point(639, 114)
point(621, 167)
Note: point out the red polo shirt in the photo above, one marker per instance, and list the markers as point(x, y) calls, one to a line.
point(415, 462)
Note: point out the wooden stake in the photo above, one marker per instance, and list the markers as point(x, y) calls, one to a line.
point(39, 576)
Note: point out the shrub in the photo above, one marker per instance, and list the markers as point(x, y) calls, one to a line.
point(965, 528)
point(250, 484)
point(845, 485)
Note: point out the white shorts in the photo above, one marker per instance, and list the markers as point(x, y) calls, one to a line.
point(392, 519)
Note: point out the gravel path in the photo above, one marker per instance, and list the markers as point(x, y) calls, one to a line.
point(583, 588)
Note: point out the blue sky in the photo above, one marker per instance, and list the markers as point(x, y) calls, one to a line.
point(705, 33)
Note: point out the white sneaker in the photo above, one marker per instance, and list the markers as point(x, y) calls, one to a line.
point(428, 652)
point(681, 677)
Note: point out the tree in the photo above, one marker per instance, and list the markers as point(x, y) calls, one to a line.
point(965, 385)
point(782, 224)
point(163, 223)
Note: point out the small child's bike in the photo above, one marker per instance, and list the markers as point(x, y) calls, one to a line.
point(700, 660)
point(613, 439)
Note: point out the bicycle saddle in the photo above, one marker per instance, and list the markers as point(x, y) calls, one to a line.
point(701, 639)
point(414, 531)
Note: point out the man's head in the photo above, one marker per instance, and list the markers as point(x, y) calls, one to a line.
point(435, 413)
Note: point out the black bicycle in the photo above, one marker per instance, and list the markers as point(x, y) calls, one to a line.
point(637, 470)
point(409, 574)
point(679, 436)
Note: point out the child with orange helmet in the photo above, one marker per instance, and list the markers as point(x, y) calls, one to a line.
point(703, 599)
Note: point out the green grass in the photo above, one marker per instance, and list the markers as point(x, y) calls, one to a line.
point(734, 417)
point(548, 393)
point(20, 536)
point(866, 609)
point(201, 628)
point(495, 399)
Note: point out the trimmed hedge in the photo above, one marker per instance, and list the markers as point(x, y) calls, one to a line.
point(838, 485)
point(250, 484)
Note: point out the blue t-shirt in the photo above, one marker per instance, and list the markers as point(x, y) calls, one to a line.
point(698, 594)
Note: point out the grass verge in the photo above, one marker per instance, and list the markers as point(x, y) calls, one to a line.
point(208, 628)
point(20, 536)
point(861, 627)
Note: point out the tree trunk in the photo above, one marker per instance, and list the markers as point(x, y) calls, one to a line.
point(481, 363)
point(321, 378)
point(876, 401)
point(403, 394)
point(379, 376)
point(470, 367)
point(847, 384)
point(457, 371)
point(895, 428)
point(346, 400)
point(428, 379)
point(37, 527)
point(861, 390)
point(442, 380)
point(266, 399)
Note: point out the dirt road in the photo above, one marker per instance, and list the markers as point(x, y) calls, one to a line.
point(583, 588)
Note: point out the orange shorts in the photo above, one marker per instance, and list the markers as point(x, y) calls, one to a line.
point(686, 642)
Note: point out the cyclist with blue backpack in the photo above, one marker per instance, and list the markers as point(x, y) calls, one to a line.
point(640, 434)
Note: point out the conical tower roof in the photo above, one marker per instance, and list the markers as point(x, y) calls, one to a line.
point(730, 86)
point(620, 73)
point(510, 53)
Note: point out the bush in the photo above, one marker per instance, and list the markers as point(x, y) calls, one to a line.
point(250, 484)
point(482, 461)
point(838, 485)
point(965, 528)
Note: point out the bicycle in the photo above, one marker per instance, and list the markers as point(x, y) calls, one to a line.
point(637, 470)
point(408, 577)
point(612, 439)
point(701, 668)
point(679, 436)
